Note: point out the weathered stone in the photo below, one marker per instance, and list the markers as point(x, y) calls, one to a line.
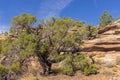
point(108, 39)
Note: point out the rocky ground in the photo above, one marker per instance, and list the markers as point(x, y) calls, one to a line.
point(108, 65)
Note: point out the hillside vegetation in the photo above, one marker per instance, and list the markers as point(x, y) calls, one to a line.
point(52, 41)
point(52, 47)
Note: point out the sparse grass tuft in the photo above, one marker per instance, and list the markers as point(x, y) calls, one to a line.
point(3, 69)
point(91, 69)
point(15, 67)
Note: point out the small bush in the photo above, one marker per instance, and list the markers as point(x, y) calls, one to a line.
point(3, 70)
point(90, 69)
point(15, 67)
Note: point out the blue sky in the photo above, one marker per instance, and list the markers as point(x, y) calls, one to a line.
point(84, 10)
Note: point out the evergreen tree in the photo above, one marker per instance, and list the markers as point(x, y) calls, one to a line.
point(105, 19)
point(22, 22)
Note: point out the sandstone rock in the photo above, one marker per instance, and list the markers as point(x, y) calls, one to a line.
point(108, 39)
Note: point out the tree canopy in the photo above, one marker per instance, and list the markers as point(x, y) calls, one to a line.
point(105, 19)
point(22, 22)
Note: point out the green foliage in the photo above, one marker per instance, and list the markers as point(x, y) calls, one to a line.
point(6, 45)
point(67, 66)
point(88, 32)
point(12, 29)
point(3, 69)
point(23, 21)
point(91, 31)
point(80, 62)
point(67, 22)
point(90, 69)
point(58, 57)
point(83, 64)
point(15, 67)
point(79, 23)
point(49, 42)
point(26, 42)
point(105, 19)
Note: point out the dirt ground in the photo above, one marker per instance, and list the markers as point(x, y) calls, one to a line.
point(78, 76)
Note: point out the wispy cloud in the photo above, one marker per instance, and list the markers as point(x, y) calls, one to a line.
point(50, 8)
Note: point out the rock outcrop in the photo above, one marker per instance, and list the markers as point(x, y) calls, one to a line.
point(107, 40)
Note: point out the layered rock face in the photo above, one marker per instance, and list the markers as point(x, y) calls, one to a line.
point(107, 40)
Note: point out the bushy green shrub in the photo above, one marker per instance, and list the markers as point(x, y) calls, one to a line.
point(90, 69)
point(3, 69)
point(6, 45)
point(80, 61)
point(15, 67)
point(105, 19)
point(56, 57)
point(67, 66)
point(26, 43)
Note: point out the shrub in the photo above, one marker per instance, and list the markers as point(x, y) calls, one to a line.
point(67, 66)
point(90, 69)
point(80, 61)
point(68, 70)
point(15, 67)
point(6, 45)
point(3, 69)
point(57, 57)
point(105, 19)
